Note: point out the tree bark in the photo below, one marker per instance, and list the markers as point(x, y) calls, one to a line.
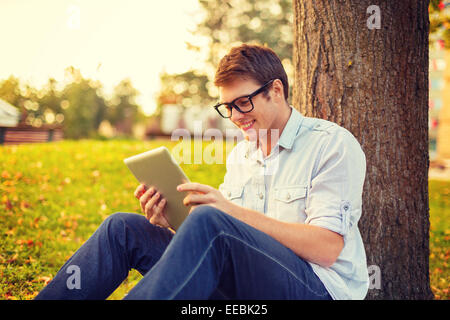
point(374, 82)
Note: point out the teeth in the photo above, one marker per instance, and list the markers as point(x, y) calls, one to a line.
point(247, 125)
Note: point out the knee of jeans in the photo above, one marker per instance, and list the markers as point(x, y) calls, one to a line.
point(205, 215)
point(118, 220)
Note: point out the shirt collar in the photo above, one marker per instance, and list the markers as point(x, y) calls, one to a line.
point(291, 129)
point(287, 137)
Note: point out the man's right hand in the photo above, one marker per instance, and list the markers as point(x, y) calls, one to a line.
point(152, 205)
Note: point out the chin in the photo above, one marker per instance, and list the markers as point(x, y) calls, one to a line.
point(250, 135)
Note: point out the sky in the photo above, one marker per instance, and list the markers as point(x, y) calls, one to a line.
point(108, 40)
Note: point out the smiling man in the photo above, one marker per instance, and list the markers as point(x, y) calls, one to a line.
point(283, 225)
point(296, 179)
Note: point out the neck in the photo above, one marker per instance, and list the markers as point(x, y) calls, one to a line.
point(270, 139)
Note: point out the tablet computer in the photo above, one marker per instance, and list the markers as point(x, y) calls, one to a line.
point(158, 168)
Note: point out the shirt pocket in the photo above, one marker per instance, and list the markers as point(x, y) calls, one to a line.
point(290, 203)
point(233, 193)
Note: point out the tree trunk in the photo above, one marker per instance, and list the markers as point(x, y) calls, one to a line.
point(369, 74)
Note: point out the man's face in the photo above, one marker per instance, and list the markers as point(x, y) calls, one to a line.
point(258, 122)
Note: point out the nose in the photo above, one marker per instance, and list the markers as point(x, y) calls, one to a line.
point(236, 116)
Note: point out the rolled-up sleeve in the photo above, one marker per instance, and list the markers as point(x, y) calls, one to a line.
point(335, 195)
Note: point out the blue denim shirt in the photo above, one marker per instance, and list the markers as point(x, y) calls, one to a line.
point(314, 175)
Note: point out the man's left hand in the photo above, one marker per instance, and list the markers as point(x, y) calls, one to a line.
point(204, 194)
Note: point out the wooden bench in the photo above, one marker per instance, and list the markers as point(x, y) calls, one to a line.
point(28, 134)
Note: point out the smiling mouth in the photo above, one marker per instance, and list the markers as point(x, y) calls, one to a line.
point(247, 125)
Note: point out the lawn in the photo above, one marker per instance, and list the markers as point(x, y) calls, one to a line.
point(53, 196)
point(439, 195)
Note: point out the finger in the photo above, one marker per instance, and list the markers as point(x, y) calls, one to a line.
point(158, 208)
point(146, 194)
point(158, 217)
point(140, 191)
point(159, 221)
point(194, 186)
point(144, 198)
point(148, 209)
point(195, 198)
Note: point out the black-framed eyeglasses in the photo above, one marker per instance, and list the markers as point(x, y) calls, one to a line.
point(242, 104)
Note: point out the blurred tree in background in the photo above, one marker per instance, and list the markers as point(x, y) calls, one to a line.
point(123, 111)
point(228, 23)
point(78, 104)
point(223, 25)
point(439, 14)
point(49, 98)
point(11, 92)
point(84, 108)
point(185, 89)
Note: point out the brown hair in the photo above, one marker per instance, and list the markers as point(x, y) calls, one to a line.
point(256, 62)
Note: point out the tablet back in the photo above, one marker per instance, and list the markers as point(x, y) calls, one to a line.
point(158, 168)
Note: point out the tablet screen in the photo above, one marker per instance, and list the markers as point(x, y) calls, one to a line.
point(158, 168)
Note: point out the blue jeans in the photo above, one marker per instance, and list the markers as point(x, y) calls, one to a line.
point(212, 256)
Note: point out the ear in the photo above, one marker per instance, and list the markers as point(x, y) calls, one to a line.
point(278, 89)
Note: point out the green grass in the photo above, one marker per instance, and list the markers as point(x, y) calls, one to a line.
point(54, 196)
point(439, 238)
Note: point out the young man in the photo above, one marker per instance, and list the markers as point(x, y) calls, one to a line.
point(283, 225)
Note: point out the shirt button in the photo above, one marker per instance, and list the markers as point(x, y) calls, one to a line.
point(261, 196)
point(288, 196)
point(229, 194)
